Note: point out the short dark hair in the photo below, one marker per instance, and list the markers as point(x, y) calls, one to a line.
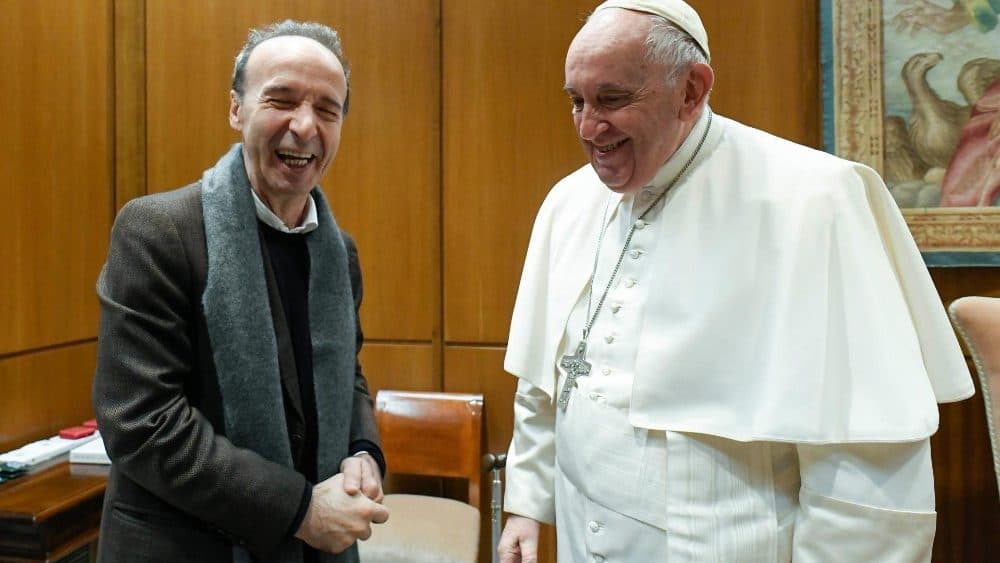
point(322, 34)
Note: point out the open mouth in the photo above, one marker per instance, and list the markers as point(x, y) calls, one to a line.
point(605, 149)
point(295, 159)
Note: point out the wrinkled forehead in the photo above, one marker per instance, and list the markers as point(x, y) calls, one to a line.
point(612, 41)
point(291, 51)
point(613, 31)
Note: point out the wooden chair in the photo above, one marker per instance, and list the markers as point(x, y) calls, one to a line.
point(429, 434)
point(977, 320)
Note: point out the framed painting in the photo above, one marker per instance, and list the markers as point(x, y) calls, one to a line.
point(912, 89)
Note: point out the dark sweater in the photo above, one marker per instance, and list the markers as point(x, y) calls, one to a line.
point(289, 256)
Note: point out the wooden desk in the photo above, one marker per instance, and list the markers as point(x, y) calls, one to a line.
point(52, 512)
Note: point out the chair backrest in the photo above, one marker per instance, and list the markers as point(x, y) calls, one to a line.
point(977, 320)
point(434, 434)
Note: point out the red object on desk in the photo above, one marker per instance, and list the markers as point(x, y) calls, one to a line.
point(76, 432)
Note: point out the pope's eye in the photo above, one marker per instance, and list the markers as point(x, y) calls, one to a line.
point(614, 101)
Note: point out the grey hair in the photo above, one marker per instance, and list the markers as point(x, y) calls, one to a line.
point(672, 47)
point(322, 34)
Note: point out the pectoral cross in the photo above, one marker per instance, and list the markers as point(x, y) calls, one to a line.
point(576, 365)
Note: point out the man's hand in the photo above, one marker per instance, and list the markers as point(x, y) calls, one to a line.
point(519, 541)
point(361, 473)
point(336, 519)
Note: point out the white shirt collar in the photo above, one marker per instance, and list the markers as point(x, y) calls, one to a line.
point(265, 214)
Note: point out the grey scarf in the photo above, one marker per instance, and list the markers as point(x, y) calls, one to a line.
point(241, 329)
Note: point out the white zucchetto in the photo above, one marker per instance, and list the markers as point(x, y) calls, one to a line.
point(676, 11)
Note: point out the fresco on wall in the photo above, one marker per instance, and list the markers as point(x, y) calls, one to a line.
point(942, 102)
point(912, 89)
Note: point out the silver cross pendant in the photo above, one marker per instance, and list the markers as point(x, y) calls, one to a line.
point(576, 365)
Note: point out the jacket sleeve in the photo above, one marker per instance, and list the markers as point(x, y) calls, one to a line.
point(363, 427)
point(146, 351)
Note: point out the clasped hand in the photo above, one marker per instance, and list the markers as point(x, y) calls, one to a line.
point(344, 507)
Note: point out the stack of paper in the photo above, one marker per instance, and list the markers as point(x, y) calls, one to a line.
point(43, 450)
point(10, 471)
point(91, 452)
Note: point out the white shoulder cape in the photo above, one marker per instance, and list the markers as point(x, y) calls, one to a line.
point(790, 301)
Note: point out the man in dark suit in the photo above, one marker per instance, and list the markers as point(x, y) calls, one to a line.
point(227, 390)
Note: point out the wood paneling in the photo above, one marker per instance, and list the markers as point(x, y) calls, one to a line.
point(766, 64)
point(508, 137)
point(953, 283)
point(130, 100)
point(479, 369)
point(45, 391)
point(403, 367)
point(965, 485)
point(384, 182)
point(57, 168)
point(966, 488)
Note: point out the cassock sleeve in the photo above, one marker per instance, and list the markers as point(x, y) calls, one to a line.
point(531, 459)
point(865, 502)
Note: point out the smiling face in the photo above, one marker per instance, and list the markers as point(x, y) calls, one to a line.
point(628, 118)
point(290, 116)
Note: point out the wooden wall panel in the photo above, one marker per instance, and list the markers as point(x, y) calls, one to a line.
point(965, 485)
point(966, 488)
point(402, 367)
point(384, 182)
point(508, 136)
point(57, 163)
point(44, 392)
point(479, 369)
point(766, 63)
point(130, 100)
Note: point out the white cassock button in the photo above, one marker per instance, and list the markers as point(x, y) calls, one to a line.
point(609, 338)
point(647, 195)
point(616, 307)
point(640, 225)
point(594, 526)
point(630, 283)
point(606, 370)
point(595, 396)
point(635, 254)
point(598, 559)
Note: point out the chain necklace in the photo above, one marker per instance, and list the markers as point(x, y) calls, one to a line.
point(576, 364)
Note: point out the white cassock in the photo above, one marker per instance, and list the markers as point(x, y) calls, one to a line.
point(766, 366)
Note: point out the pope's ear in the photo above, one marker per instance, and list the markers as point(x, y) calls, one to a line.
point(234, 111)
point(699, 81)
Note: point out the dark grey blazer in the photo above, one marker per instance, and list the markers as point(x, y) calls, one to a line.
point(179, 490)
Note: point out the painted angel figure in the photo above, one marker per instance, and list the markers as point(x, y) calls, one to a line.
point(972, 177)
point(924, 14)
